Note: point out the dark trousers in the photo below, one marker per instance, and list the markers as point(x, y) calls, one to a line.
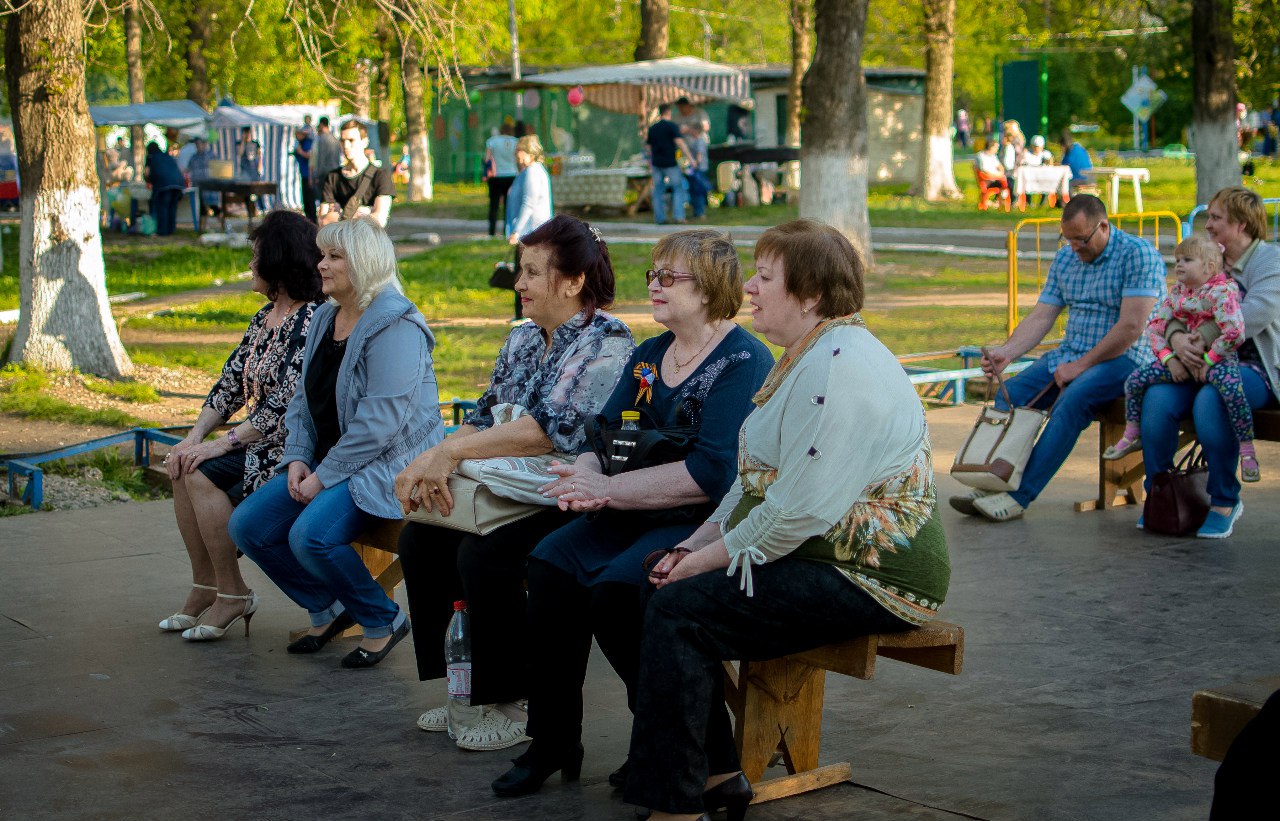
point(164, 210)
point(563, 615)
point(498, 188)
point(309, 200)
point(442, 566)
point(681, 733)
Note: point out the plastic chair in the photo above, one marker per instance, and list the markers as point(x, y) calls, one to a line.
point(991, 188)
point(727, 180)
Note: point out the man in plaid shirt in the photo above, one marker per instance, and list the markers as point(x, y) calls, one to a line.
point(1110, 282)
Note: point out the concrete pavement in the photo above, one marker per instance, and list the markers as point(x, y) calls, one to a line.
point(1084, 642)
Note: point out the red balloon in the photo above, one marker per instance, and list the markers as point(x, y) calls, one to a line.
point(575, 96)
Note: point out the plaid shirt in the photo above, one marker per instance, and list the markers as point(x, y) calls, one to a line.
point(1092, 292)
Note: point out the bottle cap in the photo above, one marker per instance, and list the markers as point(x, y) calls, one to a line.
point(632, 416)
point(460, 605)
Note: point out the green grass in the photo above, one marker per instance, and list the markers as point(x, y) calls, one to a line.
point(118, 472)
point(229, 313)
point(207, 357)
point(125, 389)
point(22, 393)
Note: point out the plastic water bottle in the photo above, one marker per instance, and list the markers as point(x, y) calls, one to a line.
point(457, 659)
point(624, 441)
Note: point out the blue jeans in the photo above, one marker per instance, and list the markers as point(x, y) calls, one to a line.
point(672, 179)
point(699, 187)
point(1166, 405)
point(1079, 403)
point(306, 550)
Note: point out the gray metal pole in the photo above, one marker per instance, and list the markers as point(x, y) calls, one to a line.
point(515, 55)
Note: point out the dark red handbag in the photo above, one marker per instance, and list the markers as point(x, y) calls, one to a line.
point(1178, 500)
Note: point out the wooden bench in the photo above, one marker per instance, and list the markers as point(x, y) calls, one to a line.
point(379, 549)
point(1120, 481)
point(1218, 714)
point(777, 704)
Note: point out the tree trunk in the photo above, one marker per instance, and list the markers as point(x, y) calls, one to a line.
point(137, 80)
point(197, 34)
point(65, 321)
point(801, 54)
point(653, 29)
point(833, 150)
point(1213, 107)
point(937, 178)
point(415, 126)
point(382, 96)
point(361, 100)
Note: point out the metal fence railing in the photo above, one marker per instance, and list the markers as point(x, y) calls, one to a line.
point(1037, 240)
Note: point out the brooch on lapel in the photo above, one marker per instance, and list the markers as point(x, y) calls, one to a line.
point(647, 374)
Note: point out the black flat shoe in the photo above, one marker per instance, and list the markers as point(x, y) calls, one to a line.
point(360, 658)
point(732, 796)
point(532, 768)
point(618, 778)
point(312, 644)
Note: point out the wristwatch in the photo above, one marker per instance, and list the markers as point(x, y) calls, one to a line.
point(236, 444)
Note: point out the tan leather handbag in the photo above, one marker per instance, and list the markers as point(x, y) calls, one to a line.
point(998, 447)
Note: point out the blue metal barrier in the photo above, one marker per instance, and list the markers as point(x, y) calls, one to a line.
point(28, 465)
point(954, 380)
point(1275, 218)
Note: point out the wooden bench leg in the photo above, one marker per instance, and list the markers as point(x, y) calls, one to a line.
point(778, 709)
point(1121, 478)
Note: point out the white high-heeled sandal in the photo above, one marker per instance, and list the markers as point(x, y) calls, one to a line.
point(209, 632)
point(181, 621)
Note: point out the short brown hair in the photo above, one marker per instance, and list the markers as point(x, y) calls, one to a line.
point(713, 261)
point(817, 261)
point(357, 125)
point(1199, 246)
point(1243, 206)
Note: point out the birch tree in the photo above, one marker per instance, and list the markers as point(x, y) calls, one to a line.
point(937, 177)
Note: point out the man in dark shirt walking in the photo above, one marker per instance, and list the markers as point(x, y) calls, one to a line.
point(661, 144)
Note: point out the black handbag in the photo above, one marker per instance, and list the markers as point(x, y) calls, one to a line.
point(503, 276)
point(653, 446)
point(1178, 501)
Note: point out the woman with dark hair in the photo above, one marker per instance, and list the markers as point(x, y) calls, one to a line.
point(586, 578)
point(553, 374)
point(831, 531)
point(211, 478)
point(167, 183)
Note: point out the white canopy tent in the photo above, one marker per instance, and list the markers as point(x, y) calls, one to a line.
point(169, 113)
point(274, 134)
point(638, 88)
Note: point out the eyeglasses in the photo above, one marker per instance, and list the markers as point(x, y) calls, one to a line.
point(1073, 241)
point(665, 276)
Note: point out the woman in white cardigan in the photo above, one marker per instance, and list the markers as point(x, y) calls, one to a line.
point(831, 532)
point(528, 201)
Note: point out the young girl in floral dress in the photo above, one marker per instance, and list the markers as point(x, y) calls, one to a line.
point(1203, 293)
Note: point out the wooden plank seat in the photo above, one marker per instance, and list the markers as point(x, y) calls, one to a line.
point(1120, 481)
point(777, 704)
point(1218, 714)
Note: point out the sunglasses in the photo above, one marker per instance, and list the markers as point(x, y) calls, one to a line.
point(665, 276)
point(654, 558)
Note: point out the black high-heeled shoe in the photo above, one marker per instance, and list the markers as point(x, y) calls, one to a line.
point(732, 795)
point(533, 768)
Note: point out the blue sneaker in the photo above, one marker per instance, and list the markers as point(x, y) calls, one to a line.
point(1217, 526)
point(1140, 525)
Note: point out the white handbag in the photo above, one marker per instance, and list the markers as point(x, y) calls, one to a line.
point(490, 493)
point(997, 449)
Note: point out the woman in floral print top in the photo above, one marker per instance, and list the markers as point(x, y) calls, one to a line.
point(210, 478)
point(560, 367)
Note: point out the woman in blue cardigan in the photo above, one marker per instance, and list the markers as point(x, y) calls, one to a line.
point(367, 406)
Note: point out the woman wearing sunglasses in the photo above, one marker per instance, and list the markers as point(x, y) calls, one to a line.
point(831, 531)
point(586, 578)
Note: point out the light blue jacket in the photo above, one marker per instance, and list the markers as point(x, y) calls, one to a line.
point(388, 402)
point(529, 201)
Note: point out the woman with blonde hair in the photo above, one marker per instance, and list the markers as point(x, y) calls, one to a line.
point(528, 201)
point(366, 407)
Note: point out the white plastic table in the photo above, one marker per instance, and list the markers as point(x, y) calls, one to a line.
point(1041, 179)
point(1116, 177)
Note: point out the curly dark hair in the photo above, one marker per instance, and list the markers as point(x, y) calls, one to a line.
point(286, 255)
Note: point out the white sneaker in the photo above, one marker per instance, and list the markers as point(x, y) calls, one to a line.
point(998, 507)
point(964, 502)
point(494, 732)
